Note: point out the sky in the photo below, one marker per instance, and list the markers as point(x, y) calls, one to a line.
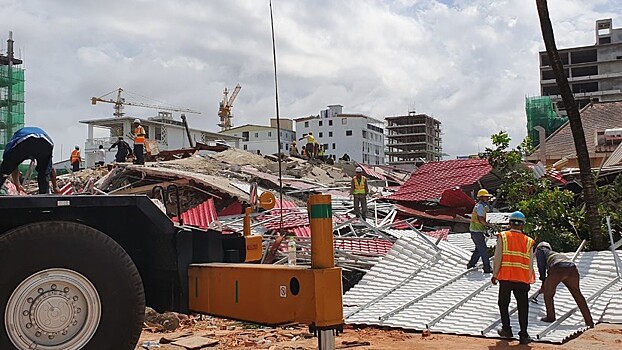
point(468, 63)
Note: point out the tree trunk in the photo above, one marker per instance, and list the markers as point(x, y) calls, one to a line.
point(585, 168)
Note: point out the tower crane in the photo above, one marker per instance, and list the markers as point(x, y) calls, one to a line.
point(224, 110)
point(120, 102)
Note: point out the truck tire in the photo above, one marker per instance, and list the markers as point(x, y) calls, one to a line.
point(64, 285)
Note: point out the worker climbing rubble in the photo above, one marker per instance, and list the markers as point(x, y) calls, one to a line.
point(560, 270)
point(513, 269)
point(359, 191)
point(478, 228)
point(123, 150)
point(75, 159)
point(293, 149)
point(310, 146)
point(29, 143)
point(139, 142)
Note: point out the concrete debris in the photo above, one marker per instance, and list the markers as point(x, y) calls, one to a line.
point(195, 342)
point(166, 322)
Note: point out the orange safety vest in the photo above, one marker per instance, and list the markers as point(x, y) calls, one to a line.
point(516, 259)
point(140, 135)
point(75, 156)
point(359, 187)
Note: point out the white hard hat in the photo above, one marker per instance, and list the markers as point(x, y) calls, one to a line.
point(544, 245)
point(137, 121)
point(359, 169)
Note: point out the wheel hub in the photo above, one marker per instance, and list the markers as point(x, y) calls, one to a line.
point(53, 309)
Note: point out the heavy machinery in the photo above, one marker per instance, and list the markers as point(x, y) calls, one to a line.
point(224, 109)
point(77, 271)
point(119, 103)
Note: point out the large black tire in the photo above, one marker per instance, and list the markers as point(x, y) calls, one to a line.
point(26, 250)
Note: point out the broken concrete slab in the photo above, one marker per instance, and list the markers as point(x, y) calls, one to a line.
point(195, 342)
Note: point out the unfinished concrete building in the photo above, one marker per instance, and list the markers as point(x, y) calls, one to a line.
point(413, 139)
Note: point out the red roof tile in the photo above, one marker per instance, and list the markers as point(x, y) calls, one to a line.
point(430, 180)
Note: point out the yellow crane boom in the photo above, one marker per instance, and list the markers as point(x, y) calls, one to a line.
point(120, 101)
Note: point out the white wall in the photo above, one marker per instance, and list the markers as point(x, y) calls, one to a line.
point(368, 150)
point(264, 140)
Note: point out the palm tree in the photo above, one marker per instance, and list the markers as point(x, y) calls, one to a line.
point(585, 168)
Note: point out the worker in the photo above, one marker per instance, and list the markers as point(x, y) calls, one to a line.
point(359, 191)
point(29, 143)
point(345, 157)
point(123, 150)
point(139, 142)
point(100, 156)
point(320, 152)
point(513, 269)
point(75, 159)
point(478, 228)
point(330, 160)
point(560, 269)
point(293, 149)
point(310, 147)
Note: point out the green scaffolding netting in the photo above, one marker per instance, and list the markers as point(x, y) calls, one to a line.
point(541, 112)
point(11, 103)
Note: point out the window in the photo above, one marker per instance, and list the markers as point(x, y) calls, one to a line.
point(245, 136)
point(306, 124)
point(330, 134)
point(585, 87)
point(348, 132)
point(333, 146)
point(325, 146)
point(256, 135)
point(158, 132)
point(584, 71)
point(245, 147)
point(269, 133)
point(583, 56)
point(320, 123)
point(344, 121)
point(320, 134)
point(287, 146)
point(330, 123)
point(364, 134)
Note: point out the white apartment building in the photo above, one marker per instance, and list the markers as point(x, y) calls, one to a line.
point(594, 72)
point(360, 136)
point(264, 138)
point(163, 132)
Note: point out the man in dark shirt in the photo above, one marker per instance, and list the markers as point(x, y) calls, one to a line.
point(560, 270)
point(123, 150)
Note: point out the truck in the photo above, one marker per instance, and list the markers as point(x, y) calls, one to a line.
point(77, 272)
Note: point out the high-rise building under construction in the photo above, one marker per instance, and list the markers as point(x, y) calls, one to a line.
point(11, 94)
point(413, 139)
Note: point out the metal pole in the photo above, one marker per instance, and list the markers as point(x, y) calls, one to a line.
point(613, 251)
point(326, 339)
point(9, 121)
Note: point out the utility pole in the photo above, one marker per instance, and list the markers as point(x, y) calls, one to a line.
point(10, 53)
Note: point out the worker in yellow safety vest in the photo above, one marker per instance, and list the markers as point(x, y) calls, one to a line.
point(513, 269)
point(293, 149)
point(139, 142)
point(477, 228)
point(359, 190)
point(75, 158)
point(310, 147)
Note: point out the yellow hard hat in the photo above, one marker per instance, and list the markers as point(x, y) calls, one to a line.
point(293, 142)
point(483, 193)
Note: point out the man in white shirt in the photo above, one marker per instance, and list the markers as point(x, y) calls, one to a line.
point(100, 156)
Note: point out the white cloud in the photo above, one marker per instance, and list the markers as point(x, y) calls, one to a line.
point(469, 63)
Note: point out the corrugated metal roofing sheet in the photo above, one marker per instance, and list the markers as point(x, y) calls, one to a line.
point(200, 216)
point(431, 179)
point(369, 171)
point(417, 286)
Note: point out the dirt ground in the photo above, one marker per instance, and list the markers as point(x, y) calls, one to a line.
point(240, 336)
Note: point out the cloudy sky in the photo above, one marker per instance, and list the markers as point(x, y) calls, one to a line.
point(469, 63)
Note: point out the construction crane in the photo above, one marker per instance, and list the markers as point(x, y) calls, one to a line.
point(224, 110)
point(120, 102)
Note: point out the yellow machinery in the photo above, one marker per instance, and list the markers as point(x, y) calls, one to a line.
point(275, 294)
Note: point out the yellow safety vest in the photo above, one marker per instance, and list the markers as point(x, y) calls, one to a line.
point(310, 139)
point(359, 187)
point(516, 259)
point(140, 135)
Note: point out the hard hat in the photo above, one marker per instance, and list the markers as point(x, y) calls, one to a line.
point(359, 169)
point(544, 245)
point(310, 133)
point(293, 142)
point(517, 216)
point(483, 193)
point(77, 147)
point(137, 121)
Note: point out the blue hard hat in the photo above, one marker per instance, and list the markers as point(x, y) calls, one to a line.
point(517, 216)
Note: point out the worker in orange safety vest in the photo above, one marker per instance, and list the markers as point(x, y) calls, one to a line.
point(75, 159)
point(513, 269)
point(139, 142)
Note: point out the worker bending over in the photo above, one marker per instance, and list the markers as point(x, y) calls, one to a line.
point(359, 191)
point(513, 269)
point(560, 270)
point(310, 146)
point(123, 150)
point(139, 142)
point(29, 143)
